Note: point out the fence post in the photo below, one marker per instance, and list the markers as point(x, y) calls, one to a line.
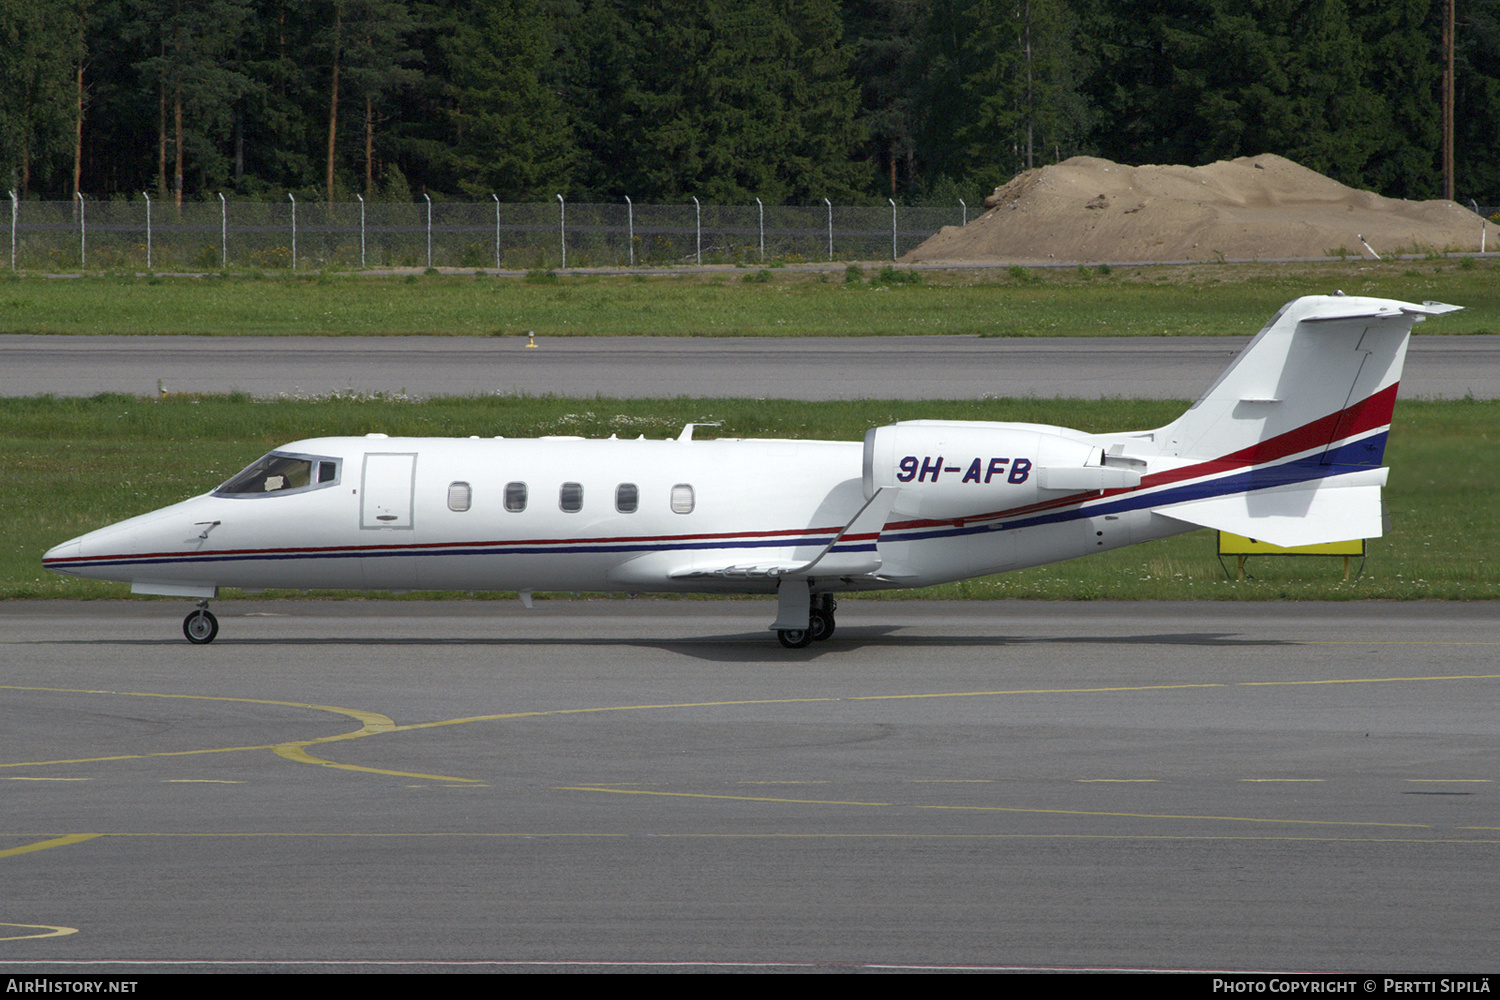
point(294, 231)
point(893, 227)
point(762, 209)
point(147, 196)
point(15, 207)
point(965, 207)
point(429, 229)
point(223, 233)
point(83, 233)
point(830, 227)
point(630, 227)
point(698, 228)
point(497, 229)
point(361, 229)
point(562, 228)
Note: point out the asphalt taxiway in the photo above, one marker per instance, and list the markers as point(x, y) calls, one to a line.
point(628, 782)
point(933, 368)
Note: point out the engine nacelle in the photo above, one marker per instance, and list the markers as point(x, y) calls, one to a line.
point(956, 469)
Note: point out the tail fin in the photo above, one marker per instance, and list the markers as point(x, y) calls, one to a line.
point(1299, 422)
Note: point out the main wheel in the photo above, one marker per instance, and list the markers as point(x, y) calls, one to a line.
point(795, 638)
point(200, 627)
point(820, 624)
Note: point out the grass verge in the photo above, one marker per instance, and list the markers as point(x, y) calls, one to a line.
point(72, 465)
point(1206, 299)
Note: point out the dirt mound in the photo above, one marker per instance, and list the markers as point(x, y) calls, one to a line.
point(1254, 208)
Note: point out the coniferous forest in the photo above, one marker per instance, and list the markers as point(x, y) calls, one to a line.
point(790, 101)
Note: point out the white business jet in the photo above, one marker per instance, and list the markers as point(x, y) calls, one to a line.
point(1285, 446)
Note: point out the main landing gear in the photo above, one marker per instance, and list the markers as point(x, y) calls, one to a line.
point(819, 624)
point(200, 626)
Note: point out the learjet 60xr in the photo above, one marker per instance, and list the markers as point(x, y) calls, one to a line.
point(1286, 447)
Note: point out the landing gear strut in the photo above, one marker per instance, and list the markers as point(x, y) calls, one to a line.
point(200, 626)
point(820, 624)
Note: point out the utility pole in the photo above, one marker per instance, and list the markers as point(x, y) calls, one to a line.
point(1448, 99)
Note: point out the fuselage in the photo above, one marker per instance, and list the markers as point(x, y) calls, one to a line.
point(381, 513)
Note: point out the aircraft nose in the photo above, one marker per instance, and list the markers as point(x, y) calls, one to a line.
point(75, 556)
point(64, 550)
point(55, 557)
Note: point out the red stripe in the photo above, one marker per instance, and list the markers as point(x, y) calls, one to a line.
point(1366, 415)
point(792, 535)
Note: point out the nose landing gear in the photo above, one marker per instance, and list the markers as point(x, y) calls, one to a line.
point(200, 626)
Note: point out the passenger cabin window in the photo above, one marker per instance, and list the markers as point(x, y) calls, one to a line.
point(282, 474)
point(570, 497)
point(627, 498)
point(682, 499)
point(460, 496)
point(515, 497)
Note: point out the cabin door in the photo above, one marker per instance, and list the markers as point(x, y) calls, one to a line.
point(387, 487)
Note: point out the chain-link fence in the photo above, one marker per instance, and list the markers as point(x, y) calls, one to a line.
point(153, 235)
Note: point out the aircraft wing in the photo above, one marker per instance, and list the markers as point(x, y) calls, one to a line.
point(854, 551)
point(1336, 510)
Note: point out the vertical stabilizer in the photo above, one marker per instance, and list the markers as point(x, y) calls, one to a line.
point(1286, 445)
point(1321, 375)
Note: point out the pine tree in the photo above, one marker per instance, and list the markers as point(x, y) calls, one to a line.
point(197, 79)
point(39, 95)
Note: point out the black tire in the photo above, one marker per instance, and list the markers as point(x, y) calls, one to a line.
point(200, 627)
point(820, 624)
point(795, 638)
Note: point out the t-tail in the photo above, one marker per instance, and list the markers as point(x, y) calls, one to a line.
point(1286, 446)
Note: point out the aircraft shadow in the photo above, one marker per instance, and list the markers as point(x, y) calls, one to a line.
point(741, 647)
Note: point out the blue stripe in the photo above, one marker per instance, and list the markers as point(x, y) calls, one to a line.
point(1366, 452)
point(558, 548)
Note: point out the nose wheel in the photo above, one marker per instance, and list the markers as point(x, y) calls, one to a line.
point(200, 626)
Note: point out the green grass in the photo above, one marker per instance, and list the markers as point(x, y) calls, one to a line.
point(1207, 299)
point(72, 465)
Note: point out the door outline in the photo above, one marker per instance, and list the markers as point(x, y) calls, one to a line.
point(388, 506)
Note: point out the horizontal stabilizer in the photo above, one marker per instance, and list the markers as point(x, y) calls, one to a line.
point(1290, 516)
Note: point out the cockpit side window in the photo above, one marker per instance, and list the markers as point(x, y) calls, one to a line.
point(279, 474)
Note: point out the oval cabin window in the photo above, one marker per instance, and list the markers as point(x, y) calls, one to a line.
point(682, 499)
point(515, 497)
point(570, 497)
point(627, 498)
point(460, 496)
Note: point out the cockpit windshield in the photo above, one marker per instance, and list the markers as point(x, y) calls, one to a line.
point(280, 474)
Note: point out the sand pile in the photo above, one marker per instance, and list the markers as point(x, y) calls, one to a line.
point(1253, 208)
